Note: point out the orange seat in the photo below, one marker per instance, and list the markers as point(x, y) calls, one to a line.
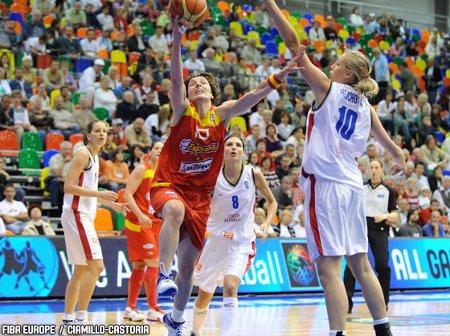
point(81, 32)
point(133, 57)
point(103, 54)
point(410, 62)
point(8, 143)
point(75, 138)
point(103, 220)
point(194, 35)
point(285, 13)
point(123, 68)
point(53, 141)
point(319, 45)
point(223, 6)
point(393, 67)
point(130, 30)
point(304, 22)
point(48, 19)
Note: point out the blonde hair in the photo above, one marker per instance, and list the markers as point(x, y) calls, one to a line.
point(361, 68)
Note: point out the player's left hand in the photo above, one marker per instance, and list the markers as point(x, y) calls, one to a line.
point(380, 218)
point(291, 67)
point(264, 227)
point(120, 207)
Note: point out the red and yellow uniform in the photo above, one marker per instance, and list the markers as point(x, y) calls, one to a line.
point(143, 242)
point(190, 163)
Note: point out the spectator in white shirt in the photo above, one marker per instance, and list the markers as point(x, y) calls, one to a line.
point(193, 63)
point(89, 45)
point(299, 225)
point(316, 32)
point(284, 229)
point(13, 213)
point(90, 78)
point(260, 217)
point(104, 41)
point(105, 19)
point(264, 70)
point(158, 41)
point(285, 128)
point(356, 19)
point(105, 97)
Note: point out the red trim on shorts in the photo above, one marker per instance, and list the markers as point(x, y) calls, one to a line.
point(310, 125)
point(76, 198)
point(313, 215)
point(83, 236)
point(251, 256)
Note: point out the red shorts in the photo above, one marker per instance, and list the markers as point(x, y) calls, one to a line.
point(196, 207)
point(143, 244)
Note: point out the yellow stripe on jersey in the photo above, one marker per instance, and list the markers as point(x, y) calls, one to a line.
point(149, 173)
point(211, 119)
point(132, 227)
point(160, 184)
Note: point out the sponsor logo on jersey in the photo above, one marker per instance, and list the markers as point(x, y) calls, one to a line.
point(233, 218)
point(228, 234)
point(380, 196)
point(148, 246)
point(195, 167)
point(246, 184)
point(28, 267)
point(201, 133)
point(198, 267)
point(188, 146)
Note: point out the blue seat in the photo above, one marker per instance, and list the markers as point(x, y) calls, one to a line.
point(308, 16)
point(265, 38)
point(247, 8)
point(416, 32)
point(16, 17)
point(446, 172)
point(350, 40)
point(271, 49)
point(48, 155)
point(247, 27)
point(82, 64)
point(439, 136)
point(307, 29)
point(274, 32)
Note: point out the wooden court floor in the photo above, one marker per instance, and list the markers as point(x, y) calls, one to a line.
point(419, 313)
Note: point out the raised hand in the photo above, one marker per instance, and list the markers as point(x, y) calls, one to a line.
point(292, 66)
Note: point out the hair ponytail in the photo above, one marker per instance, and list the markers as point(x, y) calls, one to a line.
point(367, 87)
point(359, 64)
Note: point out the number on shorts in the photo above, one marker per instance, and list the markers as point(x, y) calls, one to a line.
point(235, 202)
point(347, 122)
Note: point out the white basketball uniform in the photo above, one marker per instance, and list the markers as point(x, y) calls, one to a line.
point(230, 246)
point(78, 218)
point(337, 134)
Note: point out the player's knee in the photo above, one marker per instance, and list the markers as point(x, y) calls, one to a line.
point(185, 272)
point(174, 211)
point(97, 267)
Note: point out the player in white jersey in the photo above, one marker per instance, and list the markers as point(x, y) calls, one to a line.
point(338, 126)
point(80, 205)
point(230, 246)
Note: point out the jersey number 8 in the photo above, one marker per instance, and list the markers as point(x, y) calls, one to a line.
point(235, 202)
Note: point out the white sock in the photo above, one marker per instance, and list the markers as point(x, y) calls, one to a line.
point(227, 315)
point(381, 321)
point(81, 315)
point(68, 317)
point(177, 315)
point(200, 316)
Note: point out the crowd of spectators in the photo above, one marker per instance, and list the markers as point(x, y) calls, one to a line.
point(60, 95)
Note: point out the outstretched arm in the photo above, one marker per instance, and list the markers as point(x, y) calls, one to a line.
point(263, 187)
point(233, 108)
point(383, 138)
point(315, 78)
point(178, 99)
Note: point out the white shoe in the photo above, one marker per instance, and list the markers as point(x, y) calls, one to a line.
point(155, 314)
point(133, 315)
point(65, 323)
point(166, 286)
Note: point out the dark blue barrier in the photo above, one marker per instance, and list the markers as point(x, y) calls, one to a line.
point(38, 267)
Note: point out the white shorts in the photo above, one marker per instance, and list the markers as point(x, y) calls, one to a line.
point(220, 257)
point(82, 243)
point(335, 219)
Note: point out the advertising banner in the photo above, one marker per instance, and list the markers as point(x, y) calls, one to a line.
point(38, 267)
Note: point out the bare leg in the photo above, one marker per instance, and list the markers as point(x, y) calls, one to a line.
point(94, 268)
point(330, 269)
point(363, 272)
point(187, 257)
point(73, 289)
point(173, 214)
point(201, 311)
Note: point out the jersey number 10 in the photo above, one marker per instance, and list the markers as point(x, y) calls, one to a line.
point(346, 123)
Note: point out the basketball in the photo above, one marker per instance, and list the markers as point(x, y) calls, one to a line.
point(191, 12)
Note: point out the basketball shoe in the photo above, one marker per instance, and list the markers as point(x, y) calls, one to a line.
point(155, 314)
point(166, 286)
point(133, 315)
point(175, 328)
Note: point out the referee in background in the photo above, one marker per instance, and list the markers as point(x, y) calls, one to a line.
point(381, 211)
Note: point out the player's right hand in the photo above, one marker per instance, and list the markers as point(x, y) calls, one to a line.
point(145, 221)
point(108, 195)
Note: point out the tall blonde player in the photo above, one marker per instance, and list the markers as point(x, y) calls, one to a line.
point(79, 210)
point(142, 239)
point(338, 126)
point(230, 247)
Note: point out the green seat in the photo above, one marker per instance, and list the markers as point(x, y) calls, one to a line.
point(29, 159)
point(76, 98)
point(32, 141)
point(106, 66)
point(148, 31)
point(297, 15)
point(219, 19)
point(388, 39)
point(261, 30)
point(101, 113)
point(120, 221)
point(278, 39)
point(342, 21)
point(351, 28)
point(398, 60)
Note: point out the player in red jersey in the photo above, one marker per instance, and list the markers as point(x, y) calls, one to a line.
point(192, 156)
point(142, 239)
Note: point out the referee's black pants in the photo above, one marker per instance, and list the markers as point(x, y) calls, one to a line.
point(378, 240)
